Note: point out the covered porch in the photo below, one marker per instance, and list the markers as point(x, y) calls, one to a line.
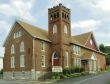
point(89, 62)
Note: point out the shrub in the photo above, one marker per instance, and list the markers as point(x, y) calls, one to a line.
point(53, 77)
point(77, 69)
point(81, 69)
point(68, 73)
point(72, 70)
point(57, 75)
point(85, 73)
point(101, 69)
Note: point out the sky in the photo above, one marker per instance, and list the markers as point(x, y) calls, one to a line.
point(1, 63)
point(86, 15)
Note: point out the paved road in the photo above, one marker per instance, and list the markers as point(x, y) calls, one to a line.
point(91, 79)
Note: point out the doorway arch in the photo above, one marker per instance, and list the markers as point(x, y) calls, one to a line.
point(55, 59)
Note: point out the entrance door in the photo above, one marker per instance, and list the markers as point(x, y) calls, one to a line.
point(55, 59)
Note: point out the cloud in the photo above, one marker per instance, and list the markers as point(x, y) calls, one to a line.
point(4, 29)
point(90, 24)
point(103, 34)
point(21, 8)
point(95, 6)
point(1, 63)
point(1, 51)
point(104, 5)
point(56, 2)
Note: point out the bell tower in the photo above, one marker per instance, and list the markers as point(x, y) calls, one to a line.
point(59, 24)
point(59, 27)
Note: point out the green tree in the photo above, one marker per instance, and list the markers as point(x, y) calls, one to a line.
point(102, 47)
point(106, 50)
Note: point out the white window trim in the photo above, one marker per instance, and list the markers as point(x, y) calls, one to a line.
point(22, 47)
point(12, 49)
point(43, 60)
point(67, 59)
point(43, 46)
point(22, 60)
point(65, 29)
point(17, 34)
point(91, 42)
point(76, 62)
point(55, 28)
point(77, 50)
point(93, 57)
point(12, 62)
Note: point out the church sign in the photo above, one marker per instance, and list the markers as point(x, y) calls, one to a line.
point(57, 69)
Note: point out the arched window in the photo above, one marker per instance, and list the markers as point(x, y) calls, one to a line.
point(12, 61)
point(54, 28)
point(65, 16)
point(55, 58)
point(62, 15)
point(65, 29)
point(51, 17)
point(22, 47)
point(12, 49)
point(94, 56)
point(22, 60)
point(55, 15)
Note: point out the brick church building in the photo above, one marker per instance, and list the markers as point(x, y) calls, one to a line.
point(30, 51)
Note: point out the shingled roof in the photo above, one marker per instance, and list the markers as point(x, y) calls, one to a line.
point(86, 55)
point(34, 31)
point(82, 38)
point(43, 34)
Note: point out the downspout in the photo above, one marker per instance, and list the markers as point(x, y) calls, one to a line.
point(34, 68)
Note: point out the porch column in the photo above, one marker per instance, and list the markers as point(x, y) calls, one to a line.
point(90, 65)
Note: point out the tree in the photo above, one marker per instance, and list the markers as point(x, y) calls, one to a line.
point(102, 48)
point(106, 50)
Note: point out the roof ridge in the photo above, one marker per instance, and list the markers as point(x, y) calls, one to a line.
point(85, 33)
point(20, 22)
point(34, 31)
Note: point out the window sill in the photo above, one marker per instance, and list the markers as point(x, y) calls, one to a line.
point(22, 66)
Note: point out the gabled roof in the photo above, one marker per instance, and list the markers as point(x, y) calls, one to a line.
point(73, 40)
point(35, 31)
point(82, 38)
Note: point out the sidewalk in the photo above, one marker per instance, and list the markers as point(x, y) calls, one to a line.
point(42, 82)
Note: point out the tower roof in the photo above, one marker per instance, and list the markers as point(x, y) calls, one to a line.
point(59, 6)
